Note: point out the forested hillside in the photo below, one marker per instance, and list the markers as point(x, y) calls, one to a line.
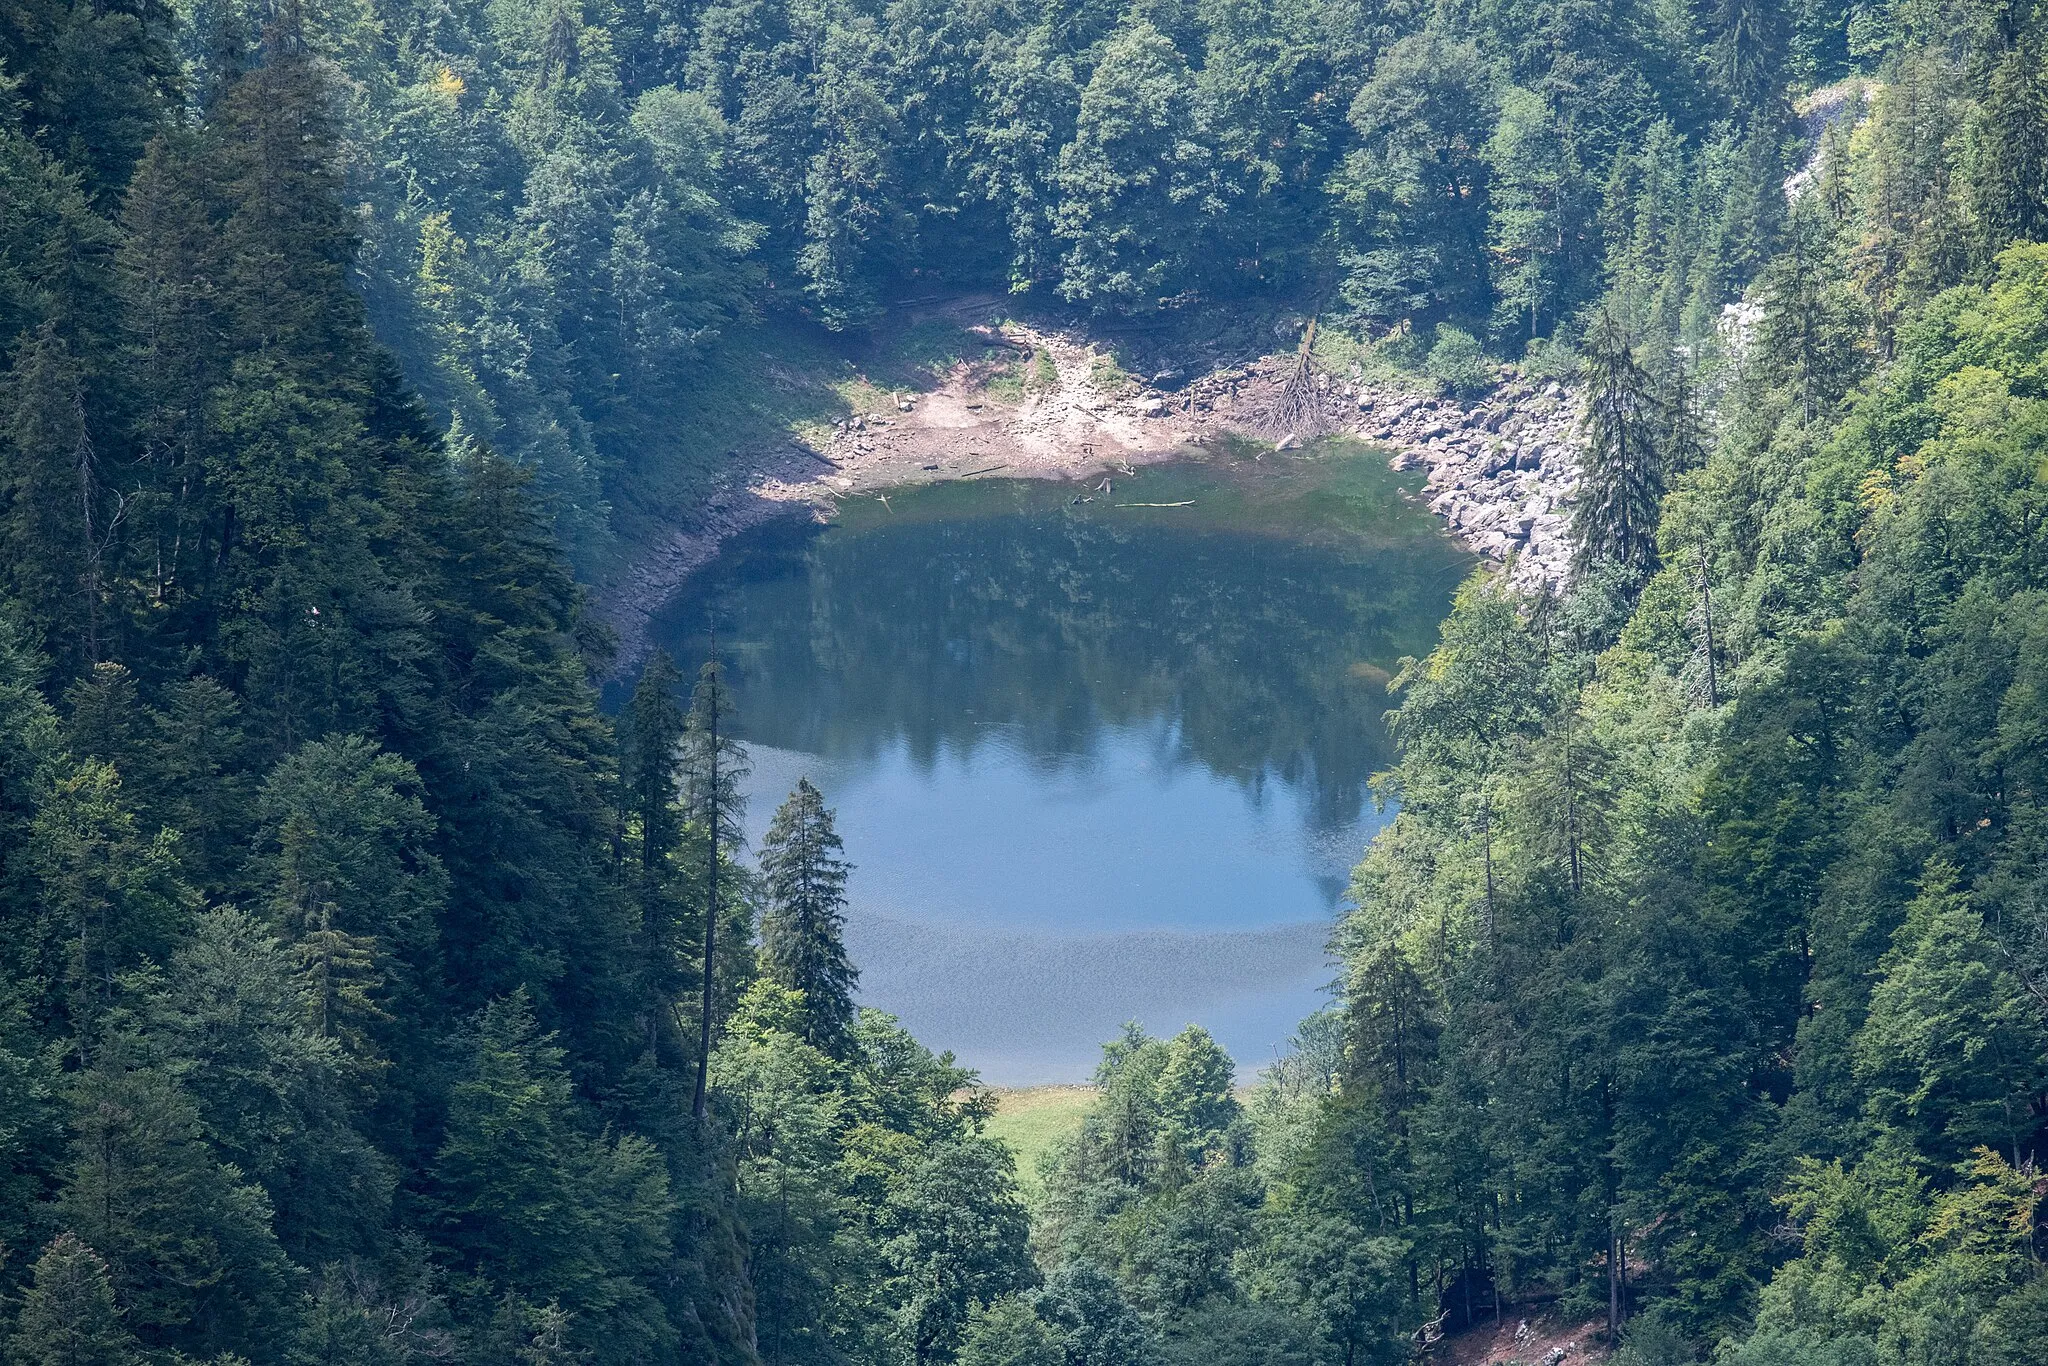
point(367, 995)
point(574, 215)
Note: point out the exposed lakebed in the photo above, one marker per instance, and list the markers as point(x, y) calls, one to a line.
point(1096, 760)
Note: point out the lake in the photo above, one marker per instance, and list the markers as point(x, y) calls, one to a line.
point(1093, 761)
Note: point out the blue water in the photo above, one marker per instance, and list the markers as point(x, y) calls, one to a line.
point(1092, 763)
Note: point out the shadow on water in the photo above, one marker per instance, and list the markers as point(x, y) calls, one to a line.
point(1046, 719)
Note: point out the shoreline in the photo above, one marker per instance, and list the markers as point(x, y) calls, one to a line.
point(1502, 468)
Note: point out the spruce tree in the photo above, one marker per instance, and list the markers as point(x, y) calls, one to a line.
point(170, 266)
point(2008, 173)
point(649, 846)
point(54, 506)
point(187, 1239)
point(1392, 1034)
point(1811, 339)
point(68, 1316)
point(713, 765)
point(801, 942)
point(531, 1199)
point(1685, 435)
point(654, 735)
point(1621, 480)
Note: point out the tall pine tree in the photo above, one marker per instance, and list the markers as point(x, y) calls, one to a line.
point(801, 943)
point(1621, 479)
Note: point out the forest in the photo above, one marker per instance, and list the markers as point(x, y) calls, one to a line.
point(370, 995)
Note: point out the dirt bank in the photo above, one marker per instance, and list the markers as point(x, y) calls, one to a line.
point(1048, 403)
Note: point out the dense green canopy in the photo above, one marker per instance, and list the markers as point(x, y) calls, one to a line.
point(359, 977)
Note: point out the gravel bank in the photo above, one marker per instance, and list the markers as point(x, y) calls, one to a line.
point(1502, 468)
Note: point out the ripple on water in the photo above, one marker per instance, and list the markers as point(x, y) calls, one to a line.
point(1032, 1008)
point(1092, 764)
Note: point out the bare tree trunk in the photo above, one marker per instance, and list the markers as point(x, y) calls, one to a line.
point(699, 1105)
point(1571, 810)
point(1707, 615)
point(1486, 836)
point(1613, 1286)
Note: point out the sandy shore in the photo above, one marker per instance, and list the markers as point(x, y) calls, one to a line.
point(1076, 418)
point(1502, 468)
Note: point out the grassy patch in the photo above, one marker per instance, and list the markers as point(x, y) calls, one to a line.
point(860, 394)
point(1394, 360)
point(1107, 376)
point(761, 386)
point(1005, 383)
point(1031, 1119)
point(921, 355)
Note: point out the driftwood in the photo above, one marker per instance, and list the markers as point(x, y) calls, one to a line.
point(990, 470)
point(1188, 504)
point(1298, 408)
point(1429, 1335)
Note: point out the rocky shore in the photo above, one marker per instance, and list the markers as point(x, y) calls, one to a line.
point(1503, 468)
point(1502, 471)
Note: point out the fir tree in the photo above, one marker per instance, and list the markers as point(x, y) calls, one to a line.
point(1621, 478)
point(801, 944)
point(713, 765)
point(654, 729)
point(68, 1316)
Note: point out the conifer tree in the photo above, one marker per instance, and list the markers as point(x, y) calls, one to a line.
point(1392, 1035)
point(530, 1199)
point(230, 1016)
point(652, 817)
point(92, 81)
point(186, 1238)
point(347, 846)
point(1748, 54)
point(1621, 479)
point(68, 1316)
point(108, 899)
point(1684, 438)
point(170, 268)
point(713, 766)
point(1810, 340)
point(801, 929)
point(57, 519)
point(654, 728)
point(2008, 182)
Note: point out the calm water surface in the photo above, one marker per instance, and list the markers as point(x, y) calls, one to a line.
point(1092, 762)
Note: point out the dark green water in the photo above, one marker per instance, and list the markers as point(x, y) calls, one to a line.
point(1094, 761)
